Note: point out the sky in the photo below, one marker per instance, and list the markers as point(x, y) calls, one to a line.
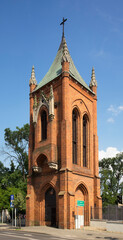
point(30, 34)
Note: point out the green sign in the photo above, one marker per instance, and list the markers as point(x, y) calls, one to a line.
point(80, 203)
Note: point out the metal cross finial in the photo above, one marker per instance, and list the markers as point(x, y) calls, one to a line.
point(62, 23)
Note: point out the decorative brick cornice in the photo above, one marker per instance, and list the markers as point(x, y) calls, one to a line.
point(61, 193)
point(53, 165)
point(36, 169)
point(71, 193)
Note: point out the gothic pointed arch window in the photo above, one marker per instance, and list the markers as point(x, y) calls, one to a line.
point(75, 135)
point(85, 140)
point(43, 125)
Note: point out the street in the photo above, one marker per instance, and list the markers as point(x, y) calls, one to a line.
point(6, 234)
point(11, 235)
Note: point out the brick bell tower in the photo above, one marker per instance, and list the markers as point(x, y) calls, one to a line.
point(63, 146)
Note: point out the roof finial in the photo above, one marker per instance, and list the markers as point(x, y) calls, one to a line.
point(62, 23)
point(93, 81)
point(32, 79)
point(65, 53)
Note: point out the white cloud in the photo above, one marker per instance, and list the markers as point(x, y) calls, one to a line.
point(110, 120)
point(120, 108)
point(115, 110)
point(110, 152)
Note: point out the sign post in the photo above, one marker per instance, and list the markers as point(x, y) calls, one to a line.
point(15, 217)
point(12, 217)
point(12, 198)
point(12, 205)
point(2, 215)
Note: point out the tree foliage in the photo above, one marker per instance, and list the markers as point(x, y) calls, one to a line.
point(11, 183)
point(17, 146)
point(19, 202)
point(13, 179)
point(111, 172)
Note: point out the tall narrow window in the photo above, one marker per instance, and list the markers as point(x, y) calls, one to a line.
point(84, 141)
point(74, 137)
point(43, 125)
point(33, 138)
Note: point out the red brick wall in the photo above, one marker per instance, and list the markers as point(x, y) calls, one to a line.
point(71, 182)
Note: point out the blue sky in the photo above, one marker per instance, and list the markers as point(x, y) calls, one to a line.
point(30, 33)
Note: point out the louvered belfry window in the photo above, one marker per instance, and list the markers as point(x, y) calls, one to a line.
point(74, 137)
point(43, 125)
point(84, 141)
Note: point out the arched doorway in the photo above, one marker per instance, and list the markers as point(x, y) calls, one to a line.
point(50, 207)
point(81, 206)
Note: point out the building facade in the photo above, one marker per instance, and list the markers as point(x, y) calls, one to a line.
point(63, 181)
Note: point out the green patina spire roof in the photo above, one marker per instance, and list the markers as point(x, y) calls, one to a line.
point(56, 68)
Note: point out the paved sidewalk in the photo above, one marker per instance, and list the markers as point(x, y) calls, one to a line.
point(4, 226)
point(88, 233)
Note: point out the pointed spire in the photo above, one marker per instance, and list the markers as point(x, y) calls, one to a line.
point(32, 80)
point(65, 54)
point(93, 81)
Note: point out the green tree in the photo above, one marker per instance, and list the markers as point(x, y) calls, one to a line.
point(11, 182)
point(111, 172)
point(17, 147)
point(5, 196)
point(3, 175)
point(13, 179)
point(19, 202)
